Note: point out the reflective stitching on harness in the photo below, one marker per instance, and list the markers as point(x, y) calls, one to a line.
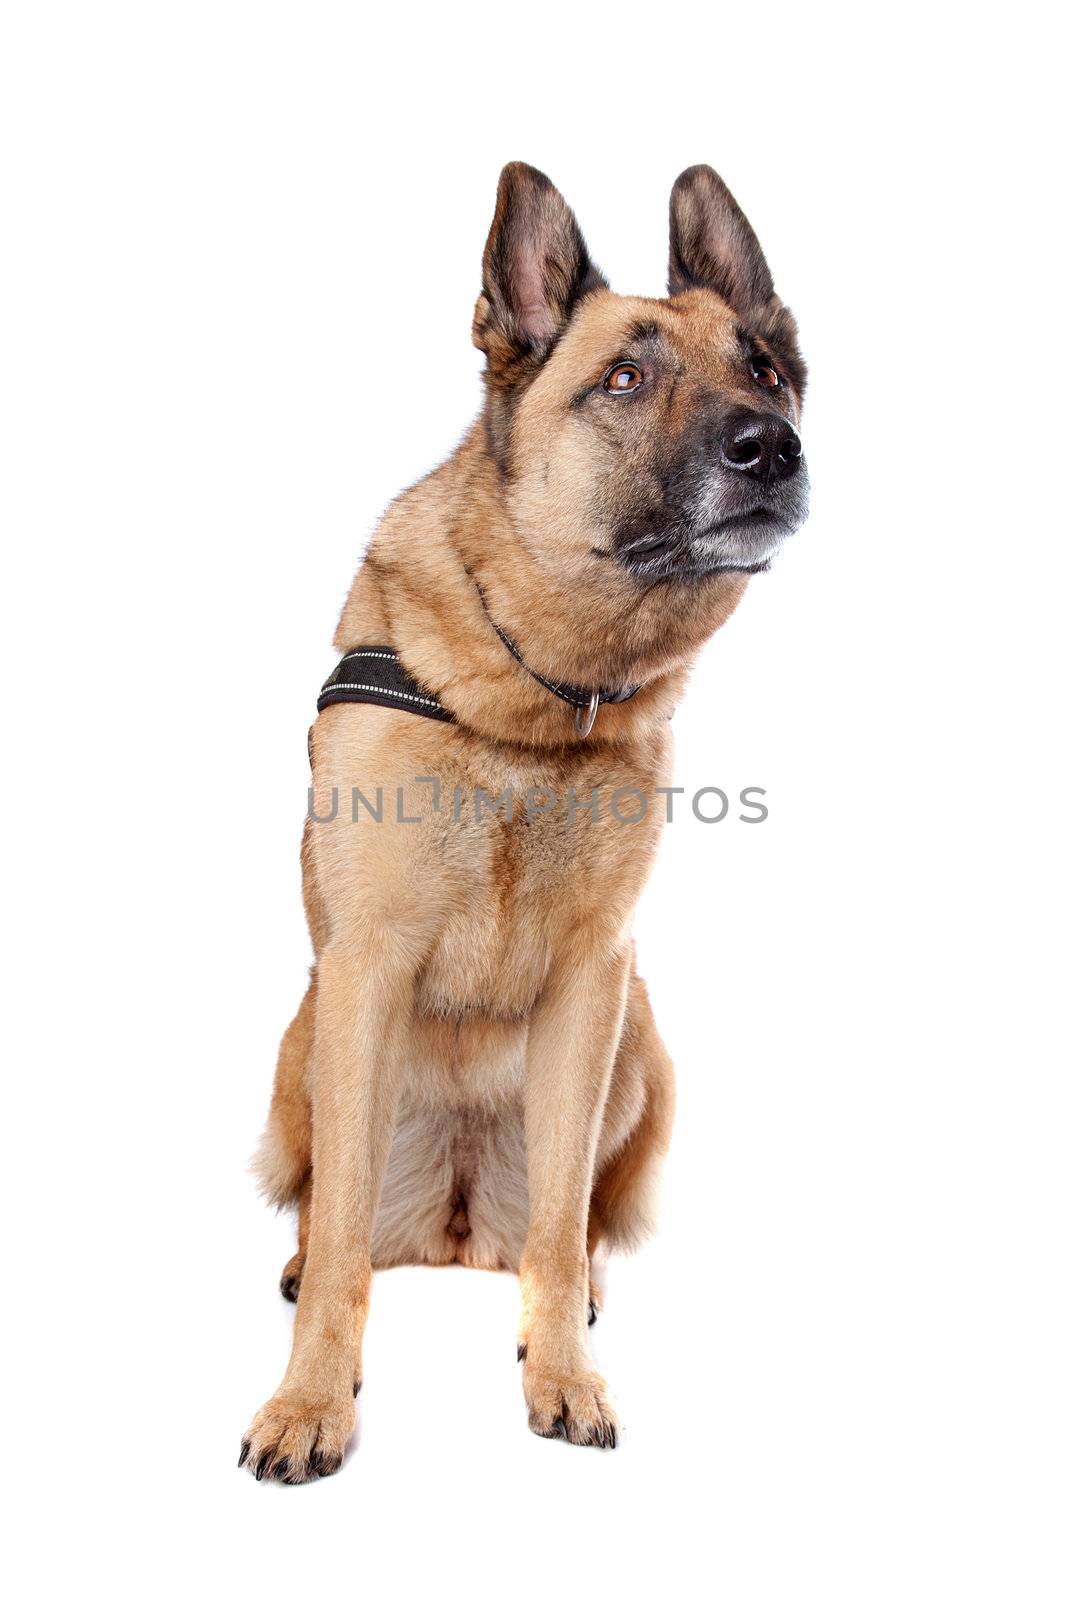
point(373, 688)
point(370, 655)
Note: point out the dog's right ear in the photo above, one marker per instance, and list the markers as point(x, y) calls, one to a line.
point(535, 270)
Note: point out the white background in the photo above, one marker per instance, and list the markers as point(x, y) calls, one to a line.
point(242, 251)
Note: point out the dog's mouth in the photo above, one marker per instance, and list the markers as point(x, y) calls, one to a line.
point(744, 542)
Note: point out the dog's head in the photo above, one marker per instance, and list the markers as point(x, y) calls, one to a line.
point(641, 443)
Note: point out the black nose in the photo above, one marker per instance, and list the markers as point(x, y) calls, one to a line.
point(764, 447)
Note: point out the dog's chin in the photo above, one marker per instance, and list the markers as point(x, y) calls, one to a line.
point(741, 544)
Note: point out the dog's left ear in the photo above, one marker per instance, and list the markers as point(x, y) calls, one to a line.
point(713, 245)
point(535, 269)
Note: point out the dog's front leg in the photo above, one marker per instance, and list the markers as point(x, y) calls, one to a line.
point(573, 1038)
point(361, 1037)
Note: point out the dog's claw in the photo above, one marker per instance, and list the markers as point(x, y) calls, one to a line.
point(290, 1287)
point(521, 1355)
point(593, 1313)
point(246, 1446)
point(293, 1440)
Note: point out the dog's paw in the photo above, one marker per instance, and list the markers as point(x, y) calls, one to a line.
point(292, 1273)
point(570, 1405)
point(293, 1439)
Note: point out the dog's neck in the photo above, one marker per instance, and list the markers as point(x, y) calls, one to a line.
point(447, 571)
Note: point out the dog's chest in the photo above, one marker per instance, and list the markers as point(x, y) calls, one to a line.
point(495, 948)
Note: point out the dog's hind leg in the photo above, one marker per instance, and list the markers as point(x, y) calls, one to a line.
point(293, 1270)
point(282, 1162)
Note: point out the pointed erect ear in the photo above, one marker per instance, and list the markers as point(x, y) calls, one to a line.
point(535, 269)
point(713, 245)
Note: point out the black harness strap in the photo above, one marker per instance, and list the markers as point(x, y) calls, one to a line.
point(373, 676)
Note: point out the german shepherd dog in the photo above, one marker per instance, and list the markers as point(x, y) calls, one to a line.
point(474, 1074)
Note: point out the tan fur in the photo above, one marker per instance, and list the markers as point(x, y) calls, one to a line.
point(474, 1074)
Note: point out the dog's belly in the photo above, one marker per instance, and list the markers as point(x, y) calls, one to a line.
point(454, 1190)
point(455, 1182)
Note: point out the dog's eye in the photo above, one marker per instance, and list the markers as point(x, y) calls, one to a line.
point(624, 378)
point(765, 375)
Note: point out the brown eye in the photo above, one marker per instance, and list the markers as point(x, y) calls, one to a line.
point(624, 378)
point(766, 376)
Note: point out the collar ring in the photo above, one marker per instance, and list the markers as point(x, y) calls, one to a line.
point(585, 715)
